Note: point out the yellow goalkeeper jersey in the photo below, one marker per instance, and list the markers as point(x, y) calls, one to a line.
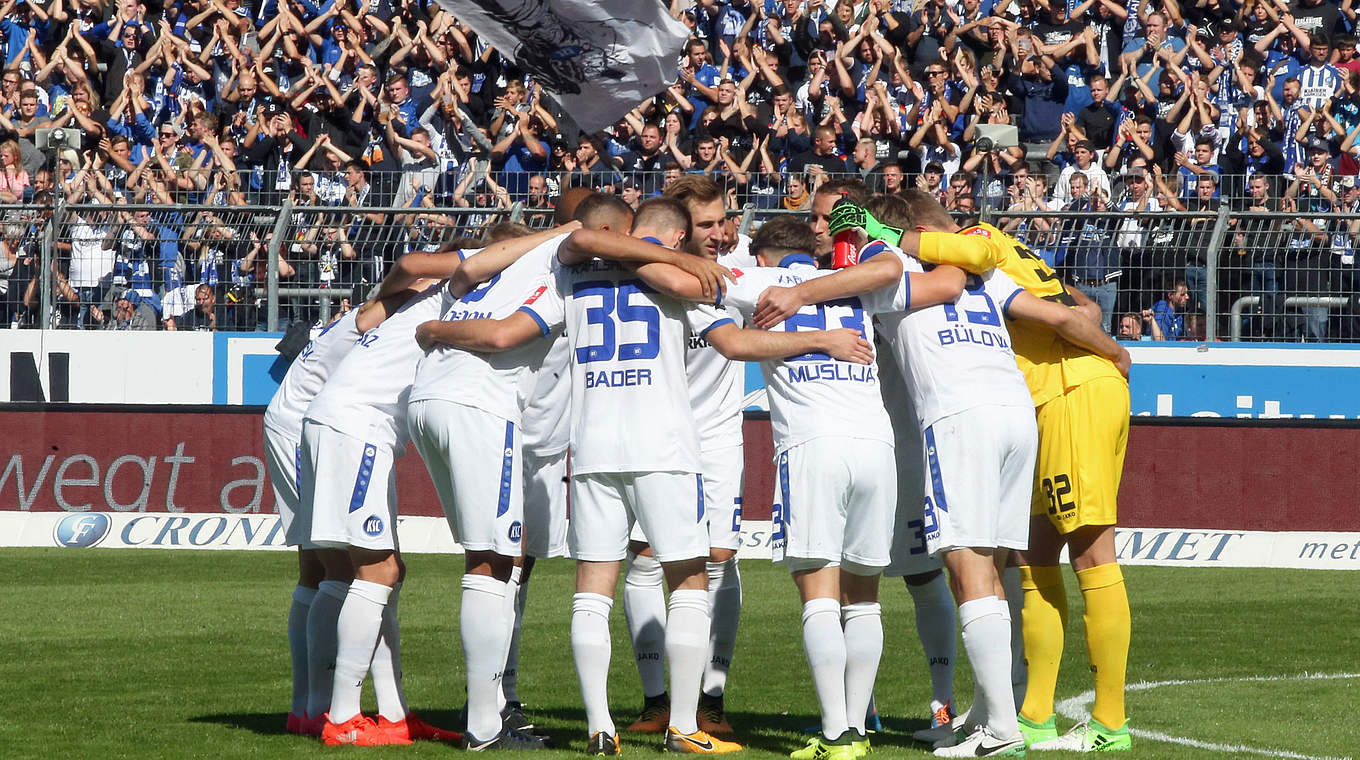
point(1051, 364)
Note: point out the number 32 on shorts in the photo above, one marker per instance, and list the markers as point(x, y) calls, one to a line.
point(1058, 490)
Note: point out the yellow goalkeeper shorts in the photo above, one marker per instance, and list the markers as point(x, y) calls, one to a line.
point(1082, 438)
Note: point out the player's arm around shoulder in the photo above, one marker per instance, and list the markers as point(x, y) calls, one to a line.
point(777, 304)
point(977, 250)
point(1071, 324)
point(376, 310)
point(482, 335)
point(493, 259)
point(751, 345)
point(1085, 306)
point(585, 244)
point(413, 267)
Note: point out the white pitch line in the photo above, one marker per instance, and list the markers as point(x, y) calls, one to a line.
point(1075, 709)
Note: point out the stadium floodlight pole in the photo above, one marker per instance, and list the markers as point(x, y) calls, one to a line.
point(272, 267)
point(1211, 274)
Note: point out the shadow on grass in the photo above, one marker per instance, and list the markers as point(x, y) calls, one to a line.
point(264, 724)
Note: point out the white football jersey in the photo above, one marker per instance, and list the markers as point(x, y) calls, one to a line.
point(716, 384)
point(308, 375)
point(958, 355)
point(366, 395)
point(630, 407)
point(814, 395)
point(489, 381)
point(545, 397)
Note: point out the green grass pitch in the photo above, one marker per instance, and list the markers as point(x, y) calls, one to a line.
point(150, 654)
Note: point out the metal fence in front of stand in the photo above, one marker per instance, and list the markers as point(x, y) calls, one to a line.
point(1250, 276)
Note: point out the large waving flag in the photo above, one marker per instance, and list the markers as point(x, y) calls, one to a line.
point(601, 57)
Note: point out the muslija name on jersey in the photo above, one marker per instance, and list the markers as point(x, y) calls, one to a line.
point(856, 373)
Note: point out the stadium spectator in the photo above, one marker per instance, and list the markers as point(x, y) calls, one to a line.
point(129, 313)
point(1139, 326)
point(1169, 313)
point(205, 315)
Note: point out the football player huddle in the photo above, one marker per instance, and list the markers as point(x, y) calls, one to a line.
point(943, 404)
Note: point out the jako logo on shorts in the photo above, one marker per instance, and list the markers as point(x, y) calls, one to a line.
point(516, 531)
point(82, 531)
point(373, 526)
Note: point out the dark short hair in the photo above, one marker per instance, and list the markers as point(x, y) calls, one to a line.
point(782, 236)
point(664, 213)
point(598, 209)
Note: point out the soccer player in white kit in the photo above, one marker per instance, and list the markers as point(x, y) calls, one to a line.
point(324, 574)
point(836, 489)
point(352, 433)
point(977, 421)
point(716, 390)
point(626, 339)
point(283, 453)
point(466, 411)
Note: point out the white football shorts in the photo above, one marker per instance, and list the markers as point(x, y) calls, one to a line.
point(833, 505)
point(350, 486)
point(668, 505)
point(283, 457)
point(473, 458)
point(545, 504)
point(979, 472)
point(724, 470)
point(910, 555)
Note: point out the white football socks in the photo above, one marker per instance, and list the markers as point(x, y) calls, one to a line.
point(687, 629)
point(1015, 602)
point(824, 643)
point(590, 648)
point(935, 626)
point(516, 592)
point(986, 628)
point(297, 645)
point(863, 625)
point(386, 667)
point(357, 633)
point(724, 595)
point(644, 607)
point(483, 630)
point(322, 622)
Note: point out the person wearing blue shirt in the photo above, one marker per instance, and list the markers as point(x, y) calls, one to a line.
point(519, 154)
point(1169, 312)
point(1156, 48)
point(700, 80)
point(17, 27)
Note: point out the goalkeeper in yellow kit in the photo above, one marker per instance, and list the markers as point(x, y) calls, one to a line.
point(1082, 407)
point(1082, 404)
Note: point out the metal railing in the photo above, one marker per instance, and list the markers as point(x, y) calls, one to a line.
point(1277, 275)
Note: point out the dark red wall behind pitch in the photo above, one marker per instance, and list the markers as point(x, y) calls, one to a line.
point(1226, 476)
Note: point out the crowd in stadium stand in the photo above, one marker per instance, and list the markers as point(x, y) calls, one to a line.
point(206, 105)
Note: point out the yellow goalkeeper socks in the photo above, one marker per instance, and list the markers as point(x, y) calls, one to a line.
point(1107, 638)
point(1044, 623)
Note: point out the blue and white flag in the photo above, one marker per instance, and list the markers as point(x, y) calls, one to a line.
point(600, 57)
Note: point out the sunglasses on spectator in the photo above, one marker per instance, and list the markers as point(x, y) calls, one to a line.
point(935, 72)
